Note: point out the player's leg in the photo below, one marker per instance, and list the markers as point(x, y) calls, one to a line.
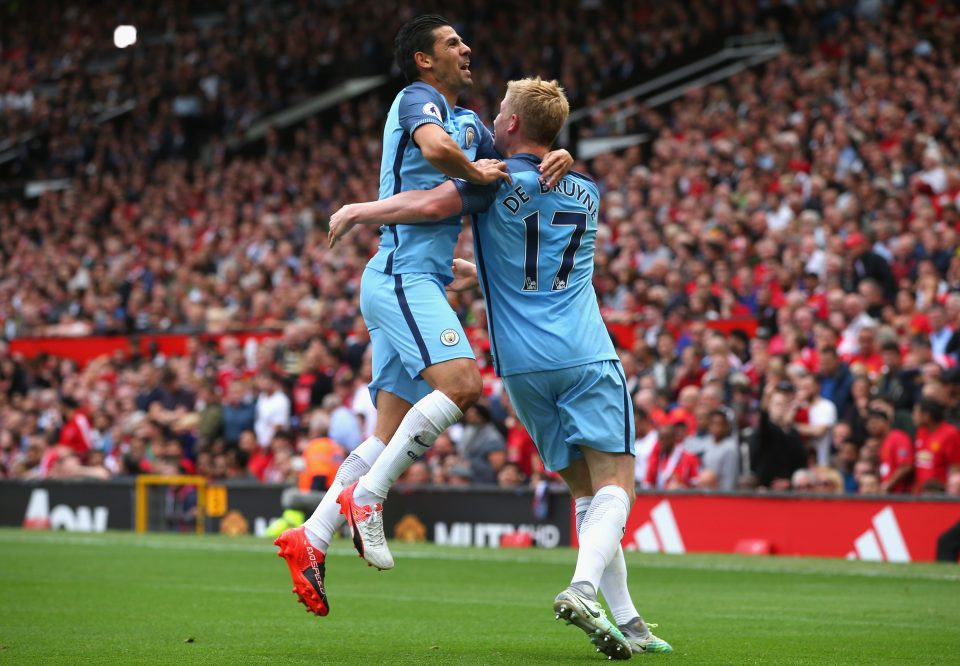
point(534, 397)
point(598, 417)
point(600, 532)
point(611, 476)
point(613, 583)
point(304, 548)
point(327, 519)
point(456, 385)
point(433, 349)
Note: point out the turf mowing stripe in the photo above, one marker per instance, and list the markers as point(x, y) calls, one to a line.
point(789, 566)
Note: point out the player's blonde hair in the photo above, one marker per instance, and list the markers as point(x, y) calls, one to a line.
point(542, 107)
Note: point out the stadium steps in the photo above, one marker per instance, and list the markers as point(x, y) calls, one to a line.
point(738, 54)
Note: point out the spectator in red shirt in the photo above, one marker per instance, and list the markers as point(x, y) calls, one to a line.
point(521, 451)
point(937, 446)
point(896, 452)
point(670, 465)
point(869, 355)
point(75, 433)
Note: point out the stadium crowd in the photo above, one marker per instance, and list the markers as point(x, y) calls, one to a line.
point(812, 201)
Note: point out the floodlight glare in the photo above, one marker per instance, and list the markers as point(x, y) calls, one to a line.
point(124, 36)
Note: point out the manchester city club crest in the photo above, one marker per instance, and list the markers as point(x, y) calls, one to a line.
point(470, 135)
point(449, 338)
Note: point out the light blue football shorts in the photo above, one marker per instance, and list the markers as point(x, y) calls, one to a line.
point(411, 328)
point(564, 410)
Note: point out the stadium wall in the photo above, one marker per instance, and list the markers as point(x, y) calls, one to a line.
point(877, 529)
point(85, 349)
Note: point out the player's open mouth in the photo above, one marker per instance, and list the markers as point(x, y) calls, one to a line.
point(465, 67)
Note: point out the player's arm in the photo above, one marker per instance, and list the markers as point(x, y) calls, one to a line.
point(446, 200)
point(413, 207)
point(555, 165)
point(447, 157)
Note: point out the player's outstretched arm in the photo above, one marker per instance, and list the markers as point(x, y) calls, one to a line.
point(555, 165)
point(447, 157)
point(413, 207)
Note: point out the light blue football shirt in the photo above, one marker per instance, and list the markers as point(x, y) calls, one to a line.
point(534, 252)
point(422, 248)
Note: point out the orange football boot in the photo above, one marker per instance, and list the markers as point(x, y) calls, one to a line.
point(307, 569)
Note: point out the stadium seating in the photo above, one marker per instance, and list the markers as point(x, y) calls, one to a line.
point(803, 207)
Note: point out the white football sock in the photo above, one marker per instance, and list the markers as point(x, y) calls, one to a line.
point(326, 518)
point(613, 583)
point(600, 533)
point(417, 432)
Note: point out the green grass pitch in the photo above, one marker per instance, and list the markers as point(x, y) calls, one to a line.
point(181, 599)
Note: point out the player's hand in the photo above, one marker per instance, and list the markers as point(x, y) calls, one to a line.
point(489, 171)
point(341, 223)
point(554, 166)
point(464, 276)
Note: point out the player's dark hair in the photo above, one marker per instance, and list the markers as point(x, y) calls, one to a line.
point(415, 35)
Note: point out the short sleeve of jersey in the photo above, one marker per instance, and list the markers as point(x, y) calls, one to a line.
point(476, 198)
point(486, 149)
point(420, 104)
point(902, 449)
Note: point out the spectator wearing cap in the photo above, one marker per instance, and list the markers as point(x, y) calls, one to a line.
point(896, 452)
point(867, 264)
point(670, 466)
point(776, 448)
point(936, 446)
point(482, 444)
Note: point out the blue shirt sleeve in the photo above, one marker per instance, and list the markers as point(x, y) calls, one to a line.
point(476, 198)
point(486, 149)
point(420, 105)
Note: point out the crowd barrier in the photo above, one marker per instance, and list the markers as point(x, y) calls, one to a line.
point(85, 349)
point(881, 528)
